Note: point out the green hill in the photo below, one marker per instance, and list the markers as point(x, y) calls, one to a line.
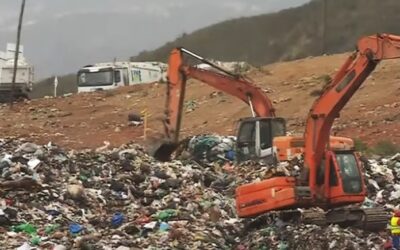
point(288, 34)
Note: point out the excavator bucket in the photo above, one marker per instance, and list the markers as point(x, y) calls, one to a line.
point(164, 150)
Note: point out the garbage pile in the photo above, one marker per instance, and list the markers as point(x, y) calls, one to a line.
point(313, 237)
point(218, 152)
point(383, 182)
point(208, 149)
point(110, 199)
point(123, 199)
point(251, 171)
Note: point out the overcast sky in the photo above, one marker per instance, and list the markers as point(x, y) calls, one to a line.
point(62, 35)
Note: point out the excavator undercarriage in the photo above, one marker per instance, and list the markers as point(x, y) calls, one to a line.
point(369, 219)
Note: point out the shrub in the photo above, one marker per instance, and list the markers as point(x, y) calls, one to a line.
point(326, 79)
point(316, 92)
point(385, 148)
point(360, 146)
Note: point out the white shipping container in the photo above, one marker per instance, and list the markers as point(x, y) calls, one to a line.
point(23, 75)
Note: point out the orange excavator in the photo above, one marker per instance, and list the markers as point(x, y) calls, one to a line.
point(236, 85)
point(332, 178)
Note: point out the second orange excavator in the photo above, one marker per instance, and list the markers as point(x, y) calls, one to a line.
point(262, 110)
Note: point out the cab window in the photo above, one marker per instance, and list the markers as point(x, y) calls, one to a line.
point(265, 135)
point(278, 128)
point(350, 173)
point(247, 132)
point(246, 141)
point(117, 76)
point(332, 174)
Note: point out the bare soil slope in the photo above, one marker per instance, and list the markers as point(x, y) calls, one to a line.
point(87, 120)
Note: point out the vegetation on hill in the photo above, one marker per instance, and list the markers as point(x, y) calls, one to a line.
point(289, 34)
point(66, 84)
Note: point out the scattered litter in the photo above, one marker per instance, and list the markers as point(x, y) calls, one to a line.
point(117, 220)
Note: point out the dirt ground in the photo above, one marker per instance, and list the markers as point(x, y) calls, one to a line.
point(88, 120)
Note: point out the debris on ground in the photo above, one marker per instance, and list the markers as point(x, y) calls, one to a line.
point(135, 119)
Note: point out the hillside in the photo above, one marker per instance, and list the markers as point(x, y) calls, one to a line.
point(87, 120)
point(289, 34)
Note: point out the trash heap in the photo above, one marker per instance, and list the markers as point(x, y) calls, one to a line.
point(111, 199)
point(123, 199)
point(251, 171)
point(383, 182)
point(209, 149)
point(313, 237)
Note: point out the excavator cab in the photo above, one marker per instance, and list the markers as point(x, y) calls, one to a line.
point(340, 178)
point(255, 138)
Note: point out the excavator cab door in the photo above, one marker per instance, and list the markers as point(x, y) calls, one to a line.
point(343, 178)
point(327, 177)
point(255, 138)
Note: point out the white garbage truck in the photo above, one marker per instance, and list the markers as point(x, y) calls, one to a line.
point(24, 76)
point(104, 76)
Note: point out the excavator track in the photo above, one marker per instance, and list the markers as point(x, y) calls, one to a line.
point(314, 217)
point(376, 219)
point(369, 219)
point(290, 216)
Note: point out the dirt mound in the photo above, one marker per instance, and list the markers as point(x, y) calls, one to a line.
point(88, 120)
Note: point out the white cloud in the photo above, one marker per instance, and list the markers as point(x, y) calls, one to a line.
point(255, 8)
point(157, 10)
point(235, 6)
point(30, 22)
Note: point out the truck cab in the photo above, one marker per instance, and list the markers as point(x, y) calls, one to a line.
point(92, 78)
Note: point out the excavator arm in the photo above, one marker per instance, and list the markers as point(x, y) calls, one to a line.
point(370, 51)
point(235, 85)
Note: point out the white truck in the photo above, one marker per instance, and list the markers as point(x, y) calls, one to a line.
point(24, 77)
point(104, 76)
